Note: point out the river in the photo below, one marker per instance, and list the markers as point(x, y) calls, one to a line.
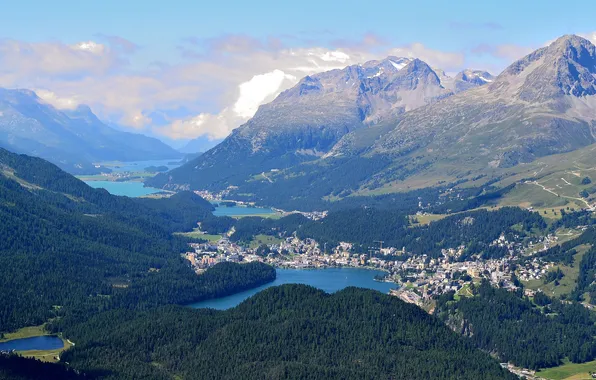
point(330, 280)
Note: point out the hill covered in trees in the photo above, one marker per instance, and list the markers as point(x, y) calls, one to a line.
point(291, 331)
point(15, 367)
point(475, 230)
point(519, 331)
point(67, 249)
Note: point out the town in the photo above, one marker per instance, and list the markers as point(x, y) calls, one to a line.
point(418, 278)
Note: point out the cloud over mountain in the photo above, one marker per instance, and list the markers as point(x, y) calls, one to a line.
point(207, 87)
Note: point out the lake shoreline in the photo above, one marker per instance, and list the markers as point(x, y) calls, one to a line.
point(330, 280)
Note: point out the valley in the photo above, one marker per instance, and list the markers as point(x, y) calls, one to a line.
point(375, 218)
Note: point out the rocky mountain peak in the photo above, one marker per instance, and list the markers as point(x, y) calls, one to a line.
point(573, 47)
point(567, 67)
point(464, 80)
point(478, 77)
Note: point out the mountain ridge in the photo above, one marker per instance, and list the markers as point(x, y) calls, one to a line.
point(72, 139)
point(304, 122)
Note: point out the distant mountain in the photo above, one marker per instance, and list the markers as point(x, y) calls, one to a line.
point(200, 144)
point(305, 122)
point(71, 139)
point(464, 80)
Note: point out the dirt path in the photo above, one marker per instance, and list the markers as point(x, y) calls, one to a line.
point(267, 178)
point(562, 196)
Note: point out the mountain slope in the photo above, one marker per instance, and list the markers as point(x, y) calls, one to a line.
point(305, 122)
point(541, 105)
point(285, 332)
point(67, 249)
point(71, 139)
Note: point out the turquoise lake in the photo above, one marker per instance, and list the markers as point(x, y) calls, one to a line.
point(139, 166)
point(329, 280)
point(135, 189)
point(35, 343)
point(129, 189)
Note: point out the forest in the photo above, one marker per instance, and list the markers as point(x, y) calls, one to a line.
point(67, 249)
point(363, 226)
point(107, 272)
point(15, 367)
point(519, 331)
point(291, 331)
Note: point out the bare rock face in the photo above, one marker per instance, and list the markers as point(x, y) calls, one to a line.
point(399, 110)
point(465, 80)
point(321, 108)
point(306, 121)
point(566, 67)
point(543, 104)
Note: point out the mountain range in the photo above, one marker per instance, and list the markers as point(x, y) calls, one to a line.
point(72, 139)
point(305, 122)
point(395, 124)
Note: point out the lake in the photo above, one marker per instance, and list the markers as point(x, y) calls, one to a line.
point(48, 342)
point(135, 189)
point(139, 166)
point(129, 189)
point(241, 211)
point(330, 280)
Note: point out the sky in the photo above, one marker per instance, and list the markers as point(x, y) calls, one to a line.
point(179, 70)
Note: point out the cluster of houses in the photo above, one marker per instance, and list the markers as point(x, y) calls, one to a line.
point(420, 277)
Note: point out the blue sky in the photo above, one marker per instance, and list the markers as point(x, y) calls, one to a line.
point(444, 24)
point(180, 65)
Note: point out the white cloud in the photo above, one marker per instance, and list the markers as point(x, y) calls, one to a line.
point(217, 92)
point(90, 46)
point(335, 56)
point(258, 90)
point(590, 36)
point(56, 101)
point(56, 59)
point(212, 126)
